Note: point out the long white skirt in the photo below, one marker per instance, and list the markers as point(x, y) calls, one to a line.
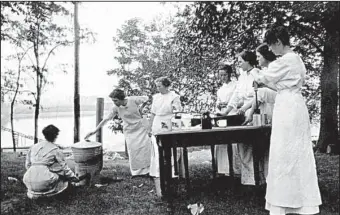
point(139, 148)
point(292, 182)
point(154, 166)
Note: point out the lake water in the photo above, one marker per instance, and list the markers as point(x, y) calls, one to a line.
point(65, 122)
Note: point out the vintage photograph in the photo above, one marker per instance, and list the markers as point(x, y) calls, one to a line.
point(178, 107)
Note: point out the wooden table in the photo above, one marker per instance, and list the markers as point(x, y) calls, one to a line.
point(258, 136)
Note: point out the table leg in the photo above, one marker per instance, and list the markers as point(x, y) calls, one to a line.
point(256, 161)
point(230, 157)
point(161, 168)
point(186, 168)
point(174, 153)
point(213, 162)
point(168, 195)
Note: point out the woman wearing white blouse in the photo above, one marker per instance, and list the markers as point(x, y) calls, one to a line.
point(224, 94)
point(244, 94)
point(135, 129)
point(292, 184)
point(164, 104)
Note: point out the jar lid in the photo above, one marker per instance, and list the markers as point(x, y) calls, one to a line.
point(86, 144)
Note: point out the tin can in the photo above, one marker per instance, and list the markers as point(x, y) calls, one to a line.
point(256, 120)
point(264, 119)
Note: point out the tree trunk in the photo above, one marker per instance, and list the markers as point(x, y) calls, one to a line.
point(37, 109)
point(329, 91)
point(12, 126)
point(76, 76)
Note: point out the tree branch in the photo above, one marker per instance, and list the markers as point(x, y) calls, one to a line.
point(50, 52)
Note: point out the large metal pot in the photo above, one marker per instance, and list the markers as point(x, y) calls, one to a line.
point(86, 151)
point(88, 156)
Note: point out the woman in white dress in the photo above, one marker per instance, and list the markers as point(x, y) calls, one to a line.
point(47, 171)
point(224, 94)
point(244, 93)
point(265, 99)
point(292, 183)
point(164, 104)
point(265, 96)
point(135, 129)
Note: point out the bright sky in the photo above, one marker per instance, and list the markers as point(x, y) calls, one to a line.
point(103, 18)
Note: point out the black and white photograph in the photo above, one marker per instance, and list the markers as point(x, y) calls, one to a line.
point(170, 107)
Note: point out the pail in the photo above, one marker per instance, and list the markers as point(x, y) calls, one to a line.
point(88, 156)
point(85, 151)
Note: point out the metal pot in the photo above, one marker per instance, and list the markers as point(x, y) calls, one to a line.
point(86, 151)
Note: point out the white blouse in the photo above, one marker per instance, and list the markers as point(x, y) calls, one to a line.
point(165, 104)
point(287, 72)
point(244, 91)
point(225, 92)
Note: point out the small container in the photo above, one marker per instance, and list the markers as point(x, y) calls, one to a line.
point(222, 123)
point(206, 121)
point(177, 121)
point(256, 120)
point(264, 119)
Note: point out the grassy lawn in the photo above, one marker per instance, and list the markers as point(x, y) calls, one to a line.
point(126, 197)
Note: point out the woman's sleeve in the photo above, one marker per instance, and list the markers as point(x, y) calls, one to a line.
point(64, 169)
point(276, 71)
point(153, 106)
point(112, 113)
point(235, 99)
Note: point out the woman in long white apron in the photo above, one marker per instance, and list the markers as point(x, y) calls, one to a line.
point(292, 184)
point(265, 98)
point(224, 94)
point(244, 94)
point(135, 129)
point(164, 104)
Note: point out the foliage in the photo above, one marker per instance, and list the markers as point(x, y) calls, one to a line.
point(148, 51)
point(315, 36)
point(33, 24)
point(234, 26)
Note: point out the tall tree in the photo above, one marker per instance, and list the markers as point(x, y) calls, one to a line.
point(239, 25)
point(76, 75)
point(39, 31)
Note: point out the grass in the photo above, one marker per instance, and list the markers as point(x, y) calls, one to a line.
point(124, 197)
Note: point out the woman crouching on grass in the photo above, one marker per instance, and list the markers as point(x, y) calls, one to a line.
point(47, 171)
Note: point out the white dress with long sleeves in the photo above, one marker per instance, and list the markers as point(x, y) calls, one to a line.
point(244, 91)
point(47, 170)
point(223, 96)
point(243, 94)
point(162, 107)
point(135, 129)
point(292, 184)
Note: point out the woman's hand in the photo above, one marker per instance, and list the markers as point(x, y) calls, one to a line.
point(240, 111)
point(248, 119)
point(90, 134)
point(222, 105)
point(75, 179)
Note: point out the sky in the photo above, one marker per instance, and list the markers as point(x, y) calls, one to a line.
point(102, 18)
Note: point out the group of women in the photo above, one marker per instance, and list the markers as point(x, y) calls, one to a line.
point(292, 185)
point(138, 131)
point(291, 177)
point(238, 97)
